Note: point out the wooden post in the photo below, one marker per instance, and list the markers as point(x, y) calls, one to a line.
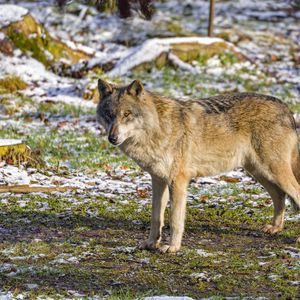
point(211, 18)
point(124, 8)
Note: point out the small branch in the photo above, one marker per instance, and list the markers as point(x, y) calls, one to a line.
point(24, 189)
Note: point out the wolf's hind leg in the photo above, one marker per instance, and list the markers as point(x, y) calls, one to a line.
point(160, 197)
point(278, 198)
point(296, 171)
point(288, 183)
point(285, 178)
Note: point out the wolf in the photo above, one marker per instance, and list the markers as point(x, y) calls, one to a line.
point(176, 141)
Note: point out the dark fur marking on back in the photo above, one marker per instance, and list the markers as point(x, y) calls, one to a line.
point(222, 103)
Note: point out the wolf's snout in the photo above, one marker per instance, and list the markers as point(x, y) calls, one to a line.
point(113, 139)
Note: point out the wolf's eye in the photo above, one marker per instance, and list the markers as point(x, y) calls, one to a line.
point(127, 113)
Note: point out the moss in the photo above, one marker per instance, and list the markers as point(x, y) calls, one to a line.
point(31, 37)
point(228, 58)
point(175, 28)
point(34, 46)
point(189, 52)
point(12, 84)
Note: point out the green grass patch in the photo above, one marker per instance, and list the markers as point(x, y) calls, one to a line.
point(76, 149)
point(64, 109)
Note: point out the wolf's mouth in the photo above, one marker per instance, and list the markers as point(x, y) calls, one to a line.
point(115, 142)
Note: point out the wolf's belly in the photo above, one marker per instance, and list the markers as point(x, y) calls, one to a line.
point(214, 164)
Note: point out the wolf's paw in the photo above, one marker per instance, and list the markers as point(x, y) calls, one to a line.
point(271, 229)
point(149, 245)
point(298, 240)
point(168, 249)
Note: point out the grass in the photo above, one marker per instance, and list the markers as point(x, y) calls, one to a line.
point(76, 149)
point(63, 110)
point(11, 84)
point(65, 250)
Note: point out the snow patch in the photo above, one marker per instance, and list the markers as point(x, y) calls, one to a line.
point(47, 84)
point(293, 252)
point(9, 142)
point(11, 175)
point(203, 253)
point(11, 13)
point(6, 296)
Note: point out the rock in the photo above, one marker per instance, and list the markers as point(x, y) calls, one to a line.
point(25, 33)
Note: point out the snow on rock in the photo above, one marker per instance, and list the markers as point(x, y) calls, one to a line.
point(9, 142)
point(152, 48)
point(11, 13)
point(148, 51)
point(79, 47)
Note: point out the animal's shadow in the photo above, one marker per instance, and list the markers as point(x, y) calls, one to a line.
point(26, 226)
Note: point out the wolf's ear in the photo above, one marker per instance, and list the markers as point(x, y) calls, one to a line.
point(135, 88)
point(104, 88)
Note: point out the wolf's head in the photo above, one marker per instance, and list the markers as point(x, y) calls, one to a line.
point(123, 111)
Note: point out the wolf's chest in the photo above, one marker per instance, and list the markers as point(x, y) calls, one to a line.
point(155, 162)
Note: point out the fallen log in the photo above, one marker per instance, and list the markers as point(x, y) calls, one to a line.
point(25, 189)
point(159, 52)
point(13, 150)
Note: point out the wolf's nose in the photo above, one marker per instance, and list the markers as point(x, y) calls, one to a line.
point(112, 139)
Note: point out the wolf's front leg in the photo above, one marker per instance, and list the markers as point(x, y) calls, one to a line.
point(160, 197)
point(178, 191)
